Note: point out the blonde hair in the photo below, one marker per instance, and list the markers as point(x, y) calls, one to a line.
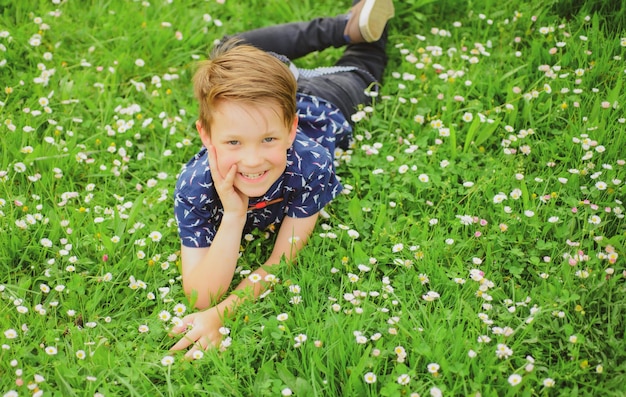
point(242, 73)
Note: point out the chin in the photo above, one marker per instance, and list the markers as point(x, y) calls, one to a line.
point(253, 191)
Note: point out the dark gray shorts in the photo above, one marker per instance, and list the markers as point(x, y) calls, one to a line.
point(346, 90)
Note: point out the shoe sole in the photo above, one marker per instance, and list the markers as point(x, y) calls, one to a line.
point(373, 18)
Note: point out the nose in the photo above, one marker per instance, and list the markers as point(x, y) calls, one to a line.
point(251, 157)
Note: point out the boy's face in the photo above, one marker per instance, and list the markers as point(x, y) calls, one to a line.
point(254, 139)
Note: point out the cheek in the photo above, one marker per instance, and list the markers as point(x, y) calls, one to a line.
point(224, 162)
point(279, 157)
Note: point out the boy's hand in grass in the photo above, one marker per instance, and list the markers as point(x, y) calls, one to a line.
point(200, 329)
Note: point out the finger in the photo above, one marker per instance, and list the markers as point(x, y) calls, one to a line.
point(178, 329)
point(186, 340)
point(229, 180)
point(189, 354)
point(181, 344)
point(184, 325)
point(203, 344)
point(216, 342)
point(196, 347)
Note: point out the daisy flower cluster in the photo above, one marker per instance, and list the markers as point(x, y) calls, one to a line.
point(477, 248)
point(576, 208)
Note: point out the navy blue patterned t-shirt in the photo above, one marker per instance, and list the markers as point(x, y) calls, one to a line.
point(307, 185)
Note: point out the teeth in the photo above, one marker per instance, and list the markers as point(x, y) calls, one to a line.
point(252, 176)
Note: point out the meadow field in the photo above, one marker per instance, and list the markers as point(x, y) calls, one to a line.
point(478, 249)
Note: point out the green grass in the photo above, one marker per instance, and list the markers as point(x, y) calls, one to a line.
point(523, 250)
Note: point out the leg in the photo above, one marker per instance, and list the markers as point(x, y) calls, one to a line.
point(297, 39)
point(366, 31)
point(346, 90)
point(371, 57)
point(365, 23)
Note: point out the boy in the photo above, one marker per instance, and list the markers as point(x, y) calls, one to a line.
point(269, 131)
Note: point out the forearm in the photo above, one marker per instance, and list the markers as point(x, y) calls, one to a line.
point(292, 236)
point(245, 290)
point(212, 273)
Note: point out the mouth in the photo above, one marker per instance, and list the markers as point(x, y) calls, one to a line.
point(252, 176)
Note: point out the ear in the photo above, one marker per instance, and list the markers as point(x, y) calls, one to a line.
point(293, 130)
point(204, 135)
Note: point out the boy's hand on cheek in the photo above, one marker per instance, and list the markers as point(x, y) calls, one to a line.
point(232, 199)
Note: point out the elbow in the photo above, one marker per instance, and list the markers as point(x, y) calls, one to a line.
point(188, 289)
point(188, 285)
point(199, 301)
point(200, 296)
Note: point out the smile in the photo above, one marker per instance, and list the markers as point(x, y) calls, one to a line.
point(252, 176)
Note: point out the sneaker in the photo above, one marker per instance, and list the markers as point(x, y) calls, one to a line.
point(367, 20)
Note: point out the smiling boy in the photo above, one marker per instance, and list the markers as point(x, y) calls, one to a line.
point(269, 132)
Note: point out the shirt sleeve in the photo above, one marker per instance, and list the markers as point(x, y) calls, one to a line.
point(195, 209)
point(195, 227)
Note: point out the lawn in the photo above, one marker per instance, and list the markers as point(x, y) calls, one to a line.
point(478, 249)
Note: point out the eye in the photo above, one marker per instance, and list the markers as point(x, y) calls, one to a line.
point(233, 143)
point(269, 139)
